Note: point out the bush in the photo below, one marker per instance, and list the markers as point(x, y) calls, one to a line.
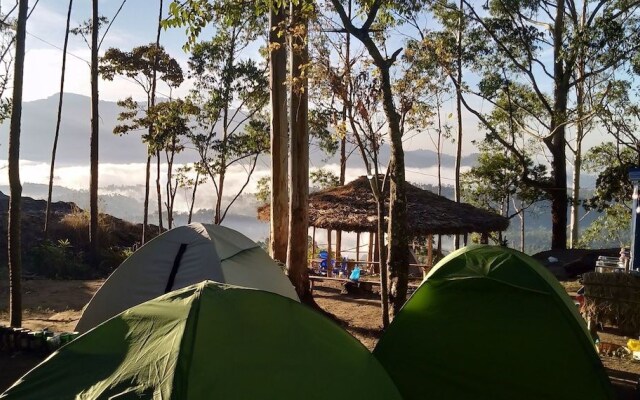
point(111, 259)
point(58, 260)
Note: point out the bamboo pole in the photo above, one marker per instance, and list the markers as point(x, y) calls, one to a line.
point(429, 254)
point(357, 247)
point(370, 254)
point(329, 252)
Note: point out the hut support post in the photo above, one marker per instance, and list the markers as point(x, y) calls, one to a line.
point(484, 238)
point(357, 248)
point(329, 253)
point(376, 255)
point(338, 246)
point(370, 254)
point(466, 237)
point(313, 244)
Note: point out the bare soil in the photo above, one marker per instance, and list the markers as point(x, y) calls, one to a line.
point(57, 305)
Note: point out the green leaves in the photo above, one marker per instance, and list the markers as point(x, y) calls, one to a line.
point(139, 64)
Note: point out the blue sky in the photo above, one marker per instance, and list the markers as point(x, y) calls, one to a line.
point(135, 25)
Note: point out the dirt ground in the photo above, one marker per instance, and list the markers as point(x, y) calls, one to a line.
point(57, 305)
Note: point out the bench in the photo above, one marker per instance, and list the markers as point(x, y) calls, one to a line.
point(349, 285)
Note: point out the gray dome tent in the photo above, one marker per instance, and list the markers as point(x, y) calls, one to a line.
point(181, 257)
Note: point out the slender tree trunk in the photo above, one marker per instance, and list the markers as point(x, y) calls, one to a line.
point(279, 228)
point(522, 230)
point(458, 112)
point(170, 189)
point(147, 181)
point(580, 134)
point(193, 196)
point(59, 118)
point(14, 250)
point(152, 103)
point(159, 193)
point(299, 164)
point(93, 186)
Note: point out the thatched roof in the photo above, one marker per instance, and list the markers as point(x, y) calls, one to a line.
point(351, 208)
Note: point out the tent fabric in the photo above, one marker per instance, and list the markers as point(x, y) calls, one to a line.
point(491, 323)
point(211, 252)
point(211, 341)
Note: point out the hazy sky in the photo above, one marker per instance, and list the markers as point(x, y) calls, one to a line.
point(136, 25)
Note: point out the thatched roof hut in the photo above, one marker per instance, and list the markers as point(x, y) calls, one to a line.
point(351, 208)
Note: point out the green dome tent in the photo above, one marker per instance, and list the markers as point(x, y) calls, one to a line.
point(491, 323)
point(211, 341)
point(181, 257)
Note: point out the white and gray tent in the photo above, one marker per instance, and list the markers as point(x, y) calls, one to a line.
point(181, 257)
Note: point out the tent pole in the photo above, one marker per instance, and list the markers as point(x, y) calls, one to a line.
point(329, 251)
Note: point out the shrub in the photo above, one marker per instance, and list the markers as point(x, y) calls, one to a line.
point(58, 260)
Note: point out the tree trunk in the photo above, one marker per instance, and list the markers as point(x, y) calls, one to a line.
point(279, 220)
point(193, 196)
point(14, 250)
point(159, 193)
point(522, 230)
point(93, 186)
point(384, 284)
point(580, 133)
point(170, 189)
point(47, 216)
point(299, 164)
point(147, 184)
point(397, 261)
point(456, 243)
point(557, 140)
point(152, 103)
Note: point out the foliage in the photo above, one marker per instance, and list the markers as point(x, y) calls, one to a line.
point(139, 64)
point(58, 260)
point(496, 181)
point(609, 229)
point(86, 27)
point(7, 38)
point(611, 163)
point(232, 93)
point(263, 189)
point(323, 179)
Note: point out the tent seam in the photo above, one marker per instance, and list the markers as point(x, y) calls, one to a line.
point(193, 313)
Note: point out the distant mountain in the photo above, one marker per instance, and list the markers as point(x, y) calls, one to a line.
point(38, 128)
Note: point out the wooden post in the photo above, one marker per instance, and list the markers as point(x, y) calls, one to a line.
point(370, 250)
point(338, 246)
point(466, 237)
point(313, 243)
point(484, 238)
point(376, 254)
point(329, 252)
point(357, 247)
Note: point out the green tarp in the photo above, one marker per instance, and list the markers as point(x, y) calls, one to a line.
point(211, 341)
point(491, 323)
